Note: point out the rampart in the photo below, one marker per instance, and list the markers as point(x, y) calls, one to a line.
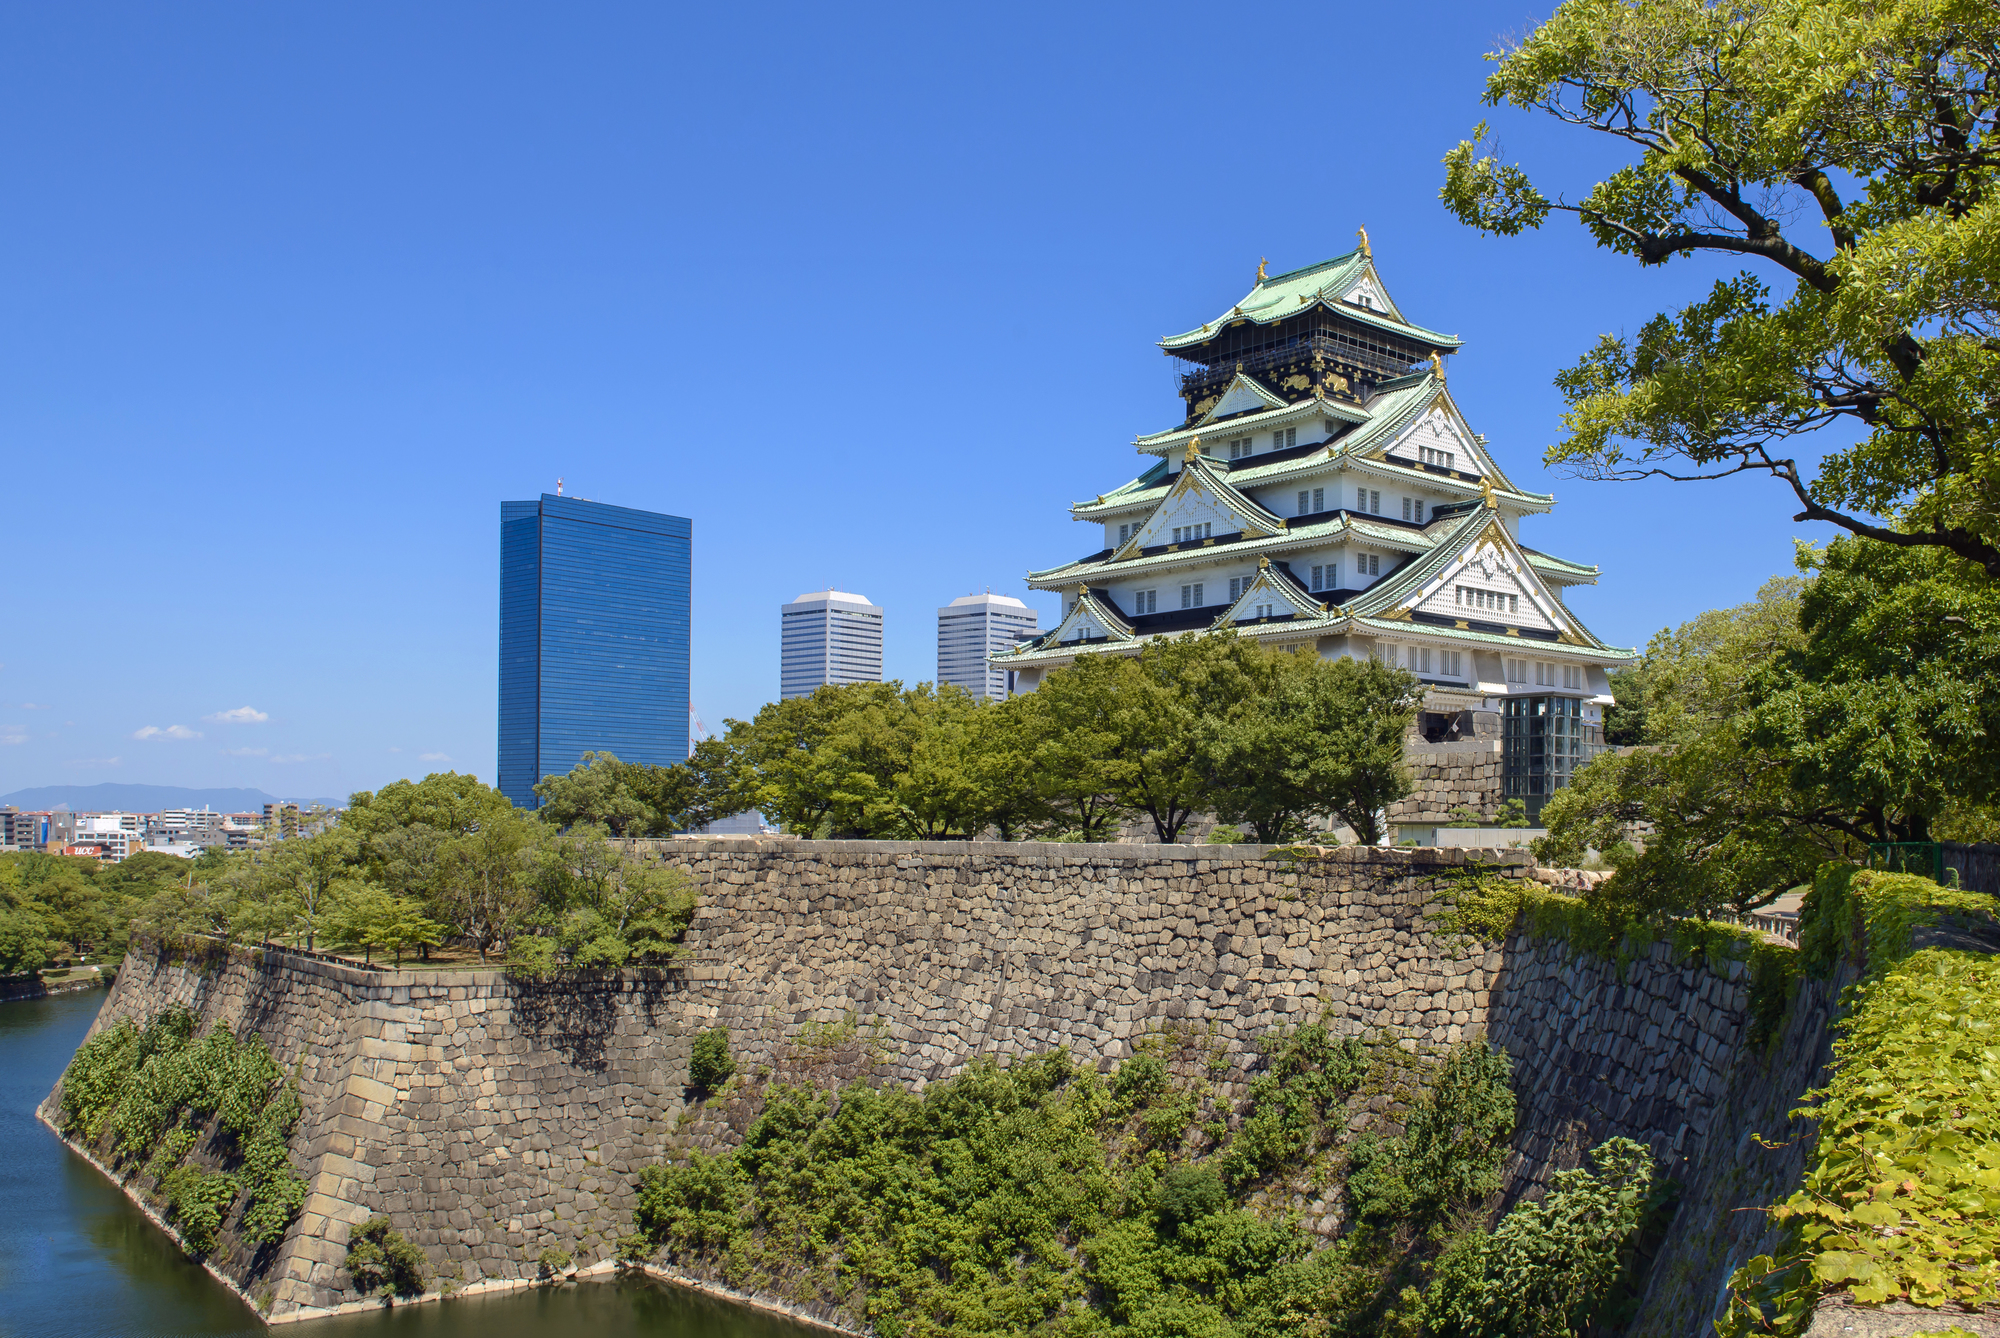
point(492, 1117)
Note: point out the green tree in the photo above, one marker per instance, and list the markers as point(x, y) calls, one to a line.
point(444, 801)
point(304, 870)
point(799, 780)
point(1327, 739)
point(365, 915)
point(1722, 823)
point(945, 789)
point(1884, 716)
point(598, 905)
point(1846, 148)
point(1186, 690)
point(715, 782)
point(1073, 731)
point(483, 877)
point(1548, 1268)
point(599, 789)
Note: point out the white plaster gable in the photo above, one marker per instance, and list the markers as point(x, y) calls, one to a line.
point(1442, 428)
point(1196, 499)
point(1367, 294)
point(1491, 570)
point(1243, 395)
point(1269, 594)
point(1086, 620)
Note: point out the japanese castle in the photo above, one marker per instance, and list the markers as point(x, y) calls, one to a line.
point(1323, 489)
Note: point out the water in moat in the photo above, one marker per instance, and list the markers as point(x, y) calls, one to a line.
point(77, 1260)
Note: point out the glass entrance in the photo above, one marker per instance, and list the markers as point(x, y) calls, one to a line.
point(1542, 746)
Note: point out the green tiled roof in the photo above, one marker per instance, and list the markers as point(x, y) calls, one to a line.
point(1275, 298)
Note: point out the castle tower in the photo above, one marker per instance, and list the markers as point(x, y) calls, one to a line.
point(1324, 489)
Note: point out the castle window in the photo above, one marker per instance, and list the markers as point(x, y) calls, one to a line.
point(1146, 601)
point(1517, 672)
point(1451, 663)
point(1303, 497)
point(1285, 439)
point(1261, 611)
point(1545, 674)
point(1236, 584)
point(1367, 564)
point(1187, 534)
point(1124, 533)
point(1573, 677)
point(1191, 596)
point(1327, 577)
point(1420, 659)
point(1431, 457)
point(1319, 499)
point(1239, 448)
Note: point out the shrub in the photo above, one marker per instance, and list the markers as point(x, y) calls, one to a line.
point(1307, 1079)
point(379, 1257)
point(1450, 1151)
point(1548, 1268)
point(1188, 1193)
point(154, 1091)
point(197, 1201)
point(710, 1064)
point(552, 1261)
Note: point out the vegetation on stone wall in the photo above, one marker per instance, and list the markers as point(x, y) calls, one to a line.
point(1210, 722)
point(442, 860)
point(1043, 1197)
point(1902, 1198)
point(154, 1095)
point(381, 1258)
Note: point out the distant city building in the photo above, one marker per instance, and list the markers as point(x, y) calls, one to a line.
point(975, 628)
point(281, 819)
point(111, 837)
point(829, 636)
point(23, 830)
point(593, 637)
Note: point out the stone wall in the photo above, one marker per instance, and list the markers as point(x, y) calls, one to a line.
point(491, 1118)
point(1657, 1051)
point(1464, 774)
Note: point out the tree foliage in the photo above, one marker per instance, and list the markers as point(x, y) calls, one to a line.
point(1842, 708)
point(1846, 148)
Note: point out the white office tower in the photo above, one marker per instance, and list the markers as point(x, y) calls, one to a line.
point(829, 637)
point(975, 628)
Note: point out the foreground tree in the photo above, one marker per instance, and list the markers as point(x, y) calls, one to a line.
point(1186, 688)
point(1847, 148)
point(1327, 739)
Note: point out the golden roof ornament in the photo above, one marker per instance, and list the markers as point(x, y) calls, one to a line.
point(1263, 562)
point(1486, 487)
point(1366, 253)
point(1260, 269)
point(1437, 366)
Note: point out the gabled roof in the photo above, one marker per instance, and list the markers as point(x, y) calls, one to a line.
point(1393, 599)
point(1092, 616)
point(1328, 284)
point(1271, 586)
point(1199, 474)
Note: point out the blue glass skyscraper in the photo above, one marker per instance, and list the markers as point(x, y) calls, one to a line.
point(593, 637)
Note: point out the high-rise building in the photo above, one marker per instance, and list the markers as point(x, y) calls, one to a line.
point(973, 629)
point(1323, 489)
point(593, 637)
point(828, 637)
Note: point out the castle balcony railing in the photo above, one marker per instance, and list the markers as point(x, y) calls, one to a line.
point(1338, 352)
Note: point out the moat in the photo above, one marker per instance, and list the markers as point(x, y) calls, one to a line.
point(78, 1260)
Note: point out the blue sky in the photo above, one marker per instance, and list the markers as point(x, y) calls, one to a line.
point(295, 296)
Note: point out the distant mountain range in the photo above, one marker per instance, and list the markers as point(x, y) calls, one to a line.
point(112, 797)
